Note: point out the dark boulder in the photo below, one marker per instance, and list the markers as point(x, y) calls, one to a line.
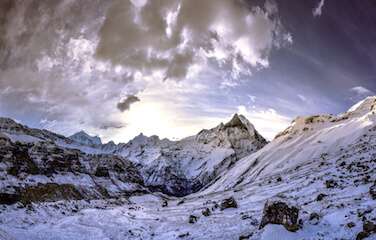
point(245, 237)
point(320, 197)
point(206, 212)
point(228, 203)
point(164, 203)
point(351, 225)
point(331, 183)
point(192, 219)
point(369, 228)
point(277, 212)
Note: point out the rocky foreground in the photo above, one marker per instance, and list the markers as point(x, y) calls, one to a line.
point(315, 180)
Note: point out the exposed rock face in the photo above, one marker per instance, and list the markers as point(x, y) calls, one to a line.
point(276, 212)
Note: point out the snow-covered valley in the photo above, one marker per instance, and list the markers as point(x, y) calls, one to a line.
point(219, 184)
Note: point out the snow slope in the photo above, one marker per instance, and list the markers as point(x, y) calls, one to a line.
point(306, 139)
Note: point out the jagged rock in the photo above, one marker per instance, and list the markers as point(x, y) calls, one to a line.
point(277, 212)
point(192, 219)
point(228, 203)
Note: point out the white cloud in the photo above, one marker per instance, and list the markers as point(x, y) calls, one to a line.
point(317, 11)
point(252, 98)
point(268, 122)
point(358, 93)
point(359, 90)
point(303, 98)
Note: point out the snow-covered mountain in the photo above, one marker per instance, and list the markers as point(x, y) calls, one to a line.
point(173, 167)
point(84, 138)
point(185, 166)
point(315, 180)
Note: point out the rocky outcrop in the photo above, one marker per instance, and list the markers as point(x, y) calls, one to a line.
point(50, 192)
point(277, 212)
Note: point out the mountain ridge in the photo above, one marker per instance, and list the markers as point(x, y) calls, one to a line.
point(172, 167)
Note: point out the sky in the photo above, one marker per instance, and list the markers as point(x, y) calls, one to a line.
point(170, 68)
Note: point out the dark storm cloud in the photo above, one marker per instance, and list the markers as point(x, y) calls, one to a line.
point(126, 103)
point(112, 125)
